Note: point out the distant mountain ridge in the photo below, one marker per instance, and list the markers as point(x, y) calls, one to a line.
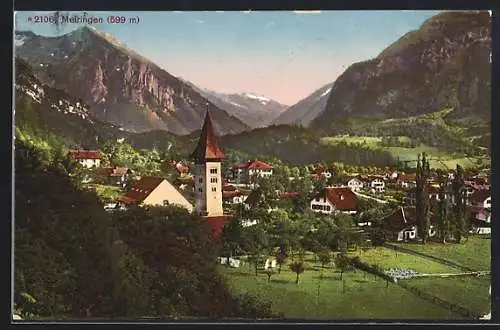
point(119, 85)
point(306, 110)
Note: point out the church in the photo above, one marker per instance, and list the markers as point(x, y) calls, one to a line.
point(208, 178)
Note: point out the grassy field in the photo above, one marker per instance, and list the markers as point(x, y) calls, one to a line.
point(403, 154)
point(365, 296)
point(469, 292)
point(475, 253)
point(387, 258)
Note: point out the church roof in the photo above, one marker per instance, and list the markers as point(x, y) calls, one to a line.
point(208, 146)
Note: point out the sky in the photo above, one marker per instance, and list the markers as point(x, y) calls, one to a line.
point(283, 55)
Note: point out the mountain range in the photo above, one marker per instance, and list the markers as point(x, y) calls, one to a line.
point(444, 65)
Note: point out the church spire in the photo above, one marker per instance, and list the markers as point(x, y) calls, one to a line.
point(208, 146)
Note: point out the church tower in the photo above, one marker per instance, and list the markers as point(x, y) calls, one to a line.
point(207, 175)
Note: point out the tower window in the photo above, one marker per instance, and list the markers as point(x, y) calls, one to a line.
point(214, 189)
point(213, 180)
point(200, 190)
point(213, 171)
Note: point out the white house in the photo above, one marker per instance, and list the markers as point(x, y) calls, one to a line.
point(355, 184)
point(377, 185)
point(331, 200)
point(155, 191)
point(402, 224)
point(88, 158)
point(252, 169)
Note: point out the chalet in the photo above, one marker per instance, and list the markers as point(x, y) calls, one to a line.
point(88, 158)
point(355, 184)
point(243, 173)
point(331, 200)
point(402, 224)
point(406, 180)
point(154, 191)
point(116, 176)
point(481, 198)
point(376, 185)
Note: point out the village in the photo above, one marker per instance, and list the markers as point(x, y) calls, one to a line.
point(304, 217)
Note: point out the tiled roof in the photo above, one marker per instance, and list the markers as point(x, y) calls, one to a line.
point(253, 164)
point(141, 189)
point(113, 171)
point(208, 146)
point(231, 194)
point(479, 196)
point(84, 154)
point(402, 218)
point(342, 198)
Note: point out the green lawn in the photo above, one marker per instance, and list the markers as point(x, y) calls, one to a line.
point(388, 258)
point(403, 154)
point(475, 253)
point(106, 192)
point(365, 297)
point(469, 292)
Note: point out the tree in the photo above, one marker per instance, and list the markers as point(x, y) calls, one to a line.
point(280, 259)
point(422, 196)
point(324, 257)
point(298, 268)
point(342, 263)
point(443, 217)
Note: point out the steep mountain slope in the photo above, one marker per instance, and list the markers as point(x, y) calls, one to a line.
point(49, 114)
point(254, 110)
point(444, 64)
point(306, 110)
point(119, 85)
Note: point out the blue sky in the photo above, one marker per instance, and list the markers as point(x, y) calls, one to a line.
point(280, 54)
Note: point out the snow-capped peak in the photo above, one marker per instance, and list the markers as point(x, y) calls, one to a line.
point(326, 92)
point(256, 97)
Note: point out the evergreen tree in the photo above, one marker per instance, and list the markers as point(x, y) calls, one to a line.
point(443, 218)
point(422, 197)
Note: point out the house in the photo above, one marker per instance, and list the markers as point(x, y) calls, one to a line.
point(402, 224)
point(181, 168)
point(243, 173)
point(433, 192)
point(88, 158)
point(233, 197)
point(154, 191)
point(355, 184)
point(376, 185)
point(480, 220)
point(406, 180)
point(116, 176)
point(331, 200)
point(481, 198)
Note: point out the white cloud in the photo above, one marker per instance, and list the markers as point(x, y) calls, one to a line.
point(219, 11)
point(246, 11)
point(307, 11)
point(200, 21)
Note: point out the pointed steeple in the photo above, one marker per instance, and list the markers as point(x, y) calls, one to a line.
point(208, 146)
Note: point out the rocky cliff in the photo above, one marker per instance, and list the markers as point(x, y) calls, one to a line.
point(444, 64)
point(119, 85)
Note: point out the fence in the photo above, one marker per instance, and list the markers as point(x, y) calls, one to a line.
point(420, 254)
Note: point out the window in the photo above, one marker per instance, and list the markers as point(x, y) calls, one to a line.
point(213, 171)
point(328, 208)
point(200, 190)
point(213, 180)
point(166, 203)
point(214, 189)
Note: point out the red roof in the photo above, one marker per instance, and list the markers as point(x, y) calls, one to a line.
point(229, 187)
point(402, 218)
point(257, 164)
point(141, 189)
point(208, 146)
point(230, 194)
point(217, 223)
point(114, 171)
point(84, 154)
point(342, 198)
point(479, 196)
point(289, 194)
